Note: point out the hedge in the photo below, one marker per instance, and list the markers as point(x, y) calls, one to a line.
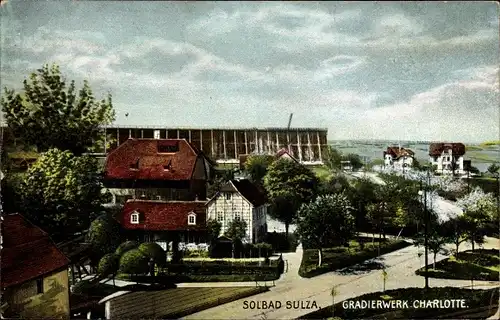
point(347, 259)
point(215, 269)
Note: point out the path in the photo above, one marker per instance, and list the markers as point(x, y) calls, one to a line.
point(400, 267)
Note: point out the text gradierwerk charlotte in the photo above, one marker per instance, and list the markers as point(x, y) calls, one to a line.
point(405, 304)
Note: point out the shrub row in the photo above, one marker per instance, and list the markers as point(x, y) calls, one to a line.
point(193, 269)
point(447, 269)
point(170, 279)
point(346, 259)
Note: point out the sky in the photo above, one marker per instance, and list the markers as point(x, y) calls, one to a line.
point(364, 70)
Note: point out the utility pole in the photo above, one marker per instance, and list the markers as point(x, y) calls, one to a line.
point(426, 231)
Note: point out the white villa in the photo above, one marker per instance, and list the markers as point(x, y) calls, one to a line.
point(240, 199)
point(448, 157)
point(398, 158)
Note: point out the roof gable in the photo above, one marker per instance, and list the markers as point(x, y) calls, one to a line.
point(436, 149)
point(250, 192)
point(152, 159)
point(27, 252)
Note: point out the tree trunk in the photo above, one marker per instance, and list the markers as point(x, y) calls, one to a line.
point(472, 242)
point(434, 262)
point(457, 244)
point(287, 225)
point(320, 257)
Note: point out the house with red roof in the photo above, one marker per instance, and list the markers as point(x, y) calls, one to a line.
point(240, 200)
point(161, 221)
point(398, 158)
point(34, 273)
point(157, 169)
point(447, 157)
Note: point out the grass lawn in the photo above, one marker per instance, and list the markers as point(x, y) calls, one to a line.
point(478, 265)
point(480, 304)
point(341, 257)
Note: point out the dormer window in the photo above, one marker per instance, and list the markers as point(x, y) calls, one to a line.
point(168, 166)
point(168, 146)
point(134, 217)
point(191, 218)
point(135, 165)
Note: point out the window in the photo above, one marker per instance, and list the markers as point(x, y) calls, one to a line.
point(192, 218)
point(168, 166)
point(228, 196)
point(237, 216)
point(39, 285)
point(220, 217)
point(134, 218)
point(167, 146)
point(157, 134)
point(135, 165)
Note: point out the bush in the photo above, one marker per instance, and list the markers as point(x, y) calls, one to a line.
point(134, 262)
point(126, 246)
point(153, 250)
point(221, 269)
point(108, 264)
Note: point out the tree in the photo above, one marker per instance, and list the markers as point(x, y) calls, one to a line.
point(214, 227)
point(236, 230)
point(108, 265)
point(103, 236)
point(61, 193)
point(479, 209)
point(335, 184)
point(326, 221)
point(455, 229)
point(50, 114)
point(153, 251)
point(133, 262)
point(256, 166)
point(493, 168)
point(355, 160)
point(126, 246)
point(289, 185)
point(332, 158)
point(435, 243)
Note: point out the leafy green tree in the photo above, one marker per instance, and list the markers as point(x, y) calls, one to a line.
point(455, 230)
point(493, 168)
point(356, 162)
point(326, 221)
point(50, 114)
point(61, 193)
point(214, 227)
point(289, 185)
point(335, 184)
point(436, 242)
point(256, 166)
point(475, 221)
point(126, 246)
point(332, 158)
point(108, 265)
point(103, 236)
point(134, 262)
point(236, 230)
point(153, 251)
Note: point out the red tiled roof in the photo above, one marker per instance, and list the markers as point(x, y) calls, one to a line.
point(151, 163)
point(397, 152)
point(27, 252)
point(436, 149)
point(284, 151)
point(160, 215)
